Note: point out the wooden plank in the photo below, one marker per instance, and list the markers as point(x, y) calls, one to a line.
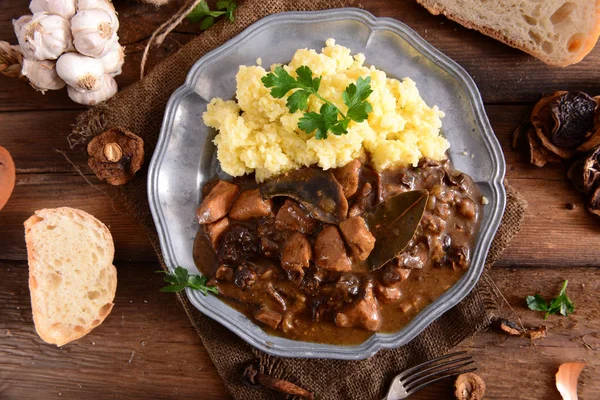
point(169, 361)
point(508, 75)
point(35, 191)
point(146, 348)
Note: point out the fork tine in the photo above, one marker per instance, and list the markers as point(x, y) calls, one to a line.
point(420, 373)
point(448, 375)
point(409, 371)
point(427, 378)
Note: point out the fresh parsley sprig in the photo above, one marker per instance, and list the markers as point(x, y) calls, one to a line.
point(327, 119)
point(180, 279)
point(559, 305)
point(202, 13)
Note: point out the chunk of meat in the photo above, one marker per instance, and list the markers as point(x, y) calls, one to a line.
point(296, 255)
point(364, 199)
point(363, 313)
point(218, 202)
point(215, 230)
point(458, 257)
point(330, 253)
point(415, 257)
point(388, 294)
point(237, 244)
point(432, 224)
point(268, 317)
point(224, 273)
point(360, 240)
point(347, 176)
point(250, 204)
point(291, 216)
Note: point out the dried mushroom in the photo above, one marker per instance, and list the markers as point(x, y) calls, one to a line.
point(513, 329)
point(594, 203)
point(575, 174)
point(253, 376)
point(591, 171)
point(7, 176)
point(116, 155)
point(469, 386)
point(564, 121)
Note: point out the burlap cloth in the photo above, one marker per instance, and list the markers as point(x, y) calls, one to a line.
point(140, 108)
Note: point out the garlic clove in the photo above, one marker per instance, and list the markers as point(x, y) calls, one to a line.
point(64, 8)
point(94, 32)
point(42, 75)
point(44, 36)
point(566, 379)
point(81, 72)
point(113, 60)
point(106, 91)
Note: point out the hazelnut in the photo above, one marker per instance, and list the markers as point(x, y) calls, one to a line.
point(113, 152)
point(116, 155)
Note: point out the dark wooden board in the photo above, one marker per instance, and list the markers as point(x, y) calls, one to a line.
point(147, 349)
point(507, 76)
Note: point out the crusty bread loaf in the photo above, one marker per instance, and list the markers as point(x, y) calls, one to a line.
point(558, 32)
point(71, 277)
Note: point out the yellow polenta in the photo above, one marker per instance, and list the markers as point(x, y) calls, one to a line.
point(258, 134)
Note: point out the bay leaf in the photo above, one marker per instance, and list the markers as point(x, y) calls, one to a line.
point(393, 223)
point(317, 190)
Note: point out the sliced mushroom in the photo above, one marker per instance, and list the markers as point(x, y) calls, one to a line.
point(116, 155)
point(469, 386)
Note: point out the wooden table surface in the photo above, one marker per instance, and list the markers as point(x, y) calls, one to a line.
point(148, 349)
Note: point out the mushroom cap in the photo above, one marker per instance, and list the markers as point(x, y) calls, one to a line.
point(469, 386)
point(130, 148)
point(564, 121)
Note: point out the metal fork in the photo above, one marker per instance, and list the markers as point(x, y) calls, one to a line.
point(413, 379)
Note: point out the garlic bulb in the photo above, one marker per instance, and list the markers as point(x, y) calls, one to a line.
point(42, 75)
point(44, 36)
point(64, 8)
point(106, 91)
point(94, 32)
point(80, 72)
point(105, 5)
point(113, 60)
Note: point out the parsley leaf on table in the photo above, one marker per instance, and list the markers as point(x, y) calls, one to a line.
point(202, 13)
point(326, 120)
point(559, 305)
point(180, 279)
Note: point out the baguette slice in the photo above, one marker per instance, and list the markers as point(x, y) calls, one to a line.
point(558, 32)
point(71, 277)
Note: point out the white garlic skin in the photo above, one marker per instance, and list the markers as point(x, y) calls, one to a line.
point(105, 5)
point(113, 60)
point(94, 32)
point(81, 72)
point(44, 36)
point(64, 8)
point(42, 75)
point(106, 91)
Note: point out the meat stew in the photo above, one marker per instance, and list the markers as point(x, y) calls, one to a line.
point(294, 253)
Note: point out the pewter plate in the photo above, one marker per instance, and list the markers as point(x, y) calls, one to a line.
point(185, 156)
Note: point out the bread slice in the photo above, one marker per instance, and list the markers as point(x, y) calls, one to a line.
point(71, 277)
point(558, 32)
